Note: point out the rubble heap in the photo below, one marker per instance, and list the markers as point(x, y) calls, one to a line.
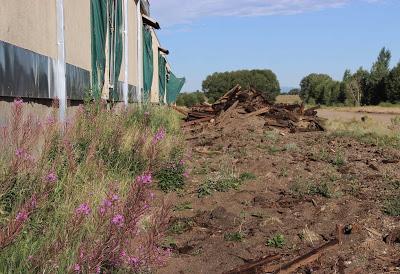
point(251, 102)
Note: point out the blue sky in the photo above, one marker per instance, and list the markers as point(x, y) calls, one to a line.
point(291, 37)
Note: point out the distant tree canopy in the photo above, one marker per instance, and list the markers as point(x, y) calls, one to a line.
point(190, 99)
point(218, 84)
point(294, 91)
point(380, 84)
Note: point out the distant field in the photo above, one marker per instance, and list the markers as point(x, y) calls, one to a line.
point(288, 99)
point(368, 109)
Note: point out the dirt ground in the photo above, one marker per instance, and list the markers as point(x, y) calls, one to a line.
point(289, 193)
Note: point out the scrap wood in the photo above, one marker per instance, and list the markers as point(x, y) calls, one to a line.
point(304, 260)
point(253, 266)
point(181, 111)
point(190, 123)
point(226, 113)
point(258, 112)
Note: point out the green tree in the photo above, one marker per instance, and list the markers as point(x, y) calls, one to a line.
point(190, 99)
point(375, 92)
point(218, 84)
point(294, 91)
point(312, 86)
point(392, 85)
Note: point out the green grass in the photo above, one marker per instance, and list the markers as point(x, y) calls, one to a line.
point(223, 183)
point(180, 226)
point(277, 241)
point(183, 206)
point(392, 206)
point(234, 236)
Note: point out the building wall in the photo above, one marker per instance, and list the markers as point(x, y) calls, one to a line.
point(77, 33)
point(30, 25)
point(154, 95)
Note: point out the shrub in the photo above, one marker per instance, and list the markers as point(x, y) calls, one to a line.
point(278, 241)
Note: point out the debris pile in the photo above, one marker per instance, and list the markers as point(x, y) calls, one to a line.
point(250, 102)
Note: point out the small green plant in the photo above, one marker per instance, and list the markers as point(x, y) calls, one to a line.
point(283, 172)
point(180, 226)
point(168, 242)
point(271, 136)
point(183, 206)
point(324, 189)
point(278, 241)
point(234, 236)
point(274, 149)
point(247, 176)
point(291, 147)
point(223, 183)
point(171, 177)
point(339, 160)
point(392, 206)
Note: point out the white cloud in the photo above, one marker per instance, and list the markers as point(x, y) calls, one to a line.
point(172, 12)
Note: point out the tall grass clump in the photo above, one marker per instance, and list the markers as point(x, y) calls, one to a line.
point(78, 197)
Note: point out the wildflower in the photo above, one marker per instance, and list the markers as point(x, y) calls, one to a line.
point(102, 210)
point(106, 203)
point(144, 179)
point(98, 269)
point(159, 136)
point(181, 162)
point(134, 261)
point(20, 152)
point(114, 198)
point(123, 254)
point(147, 113)
point(51, 177)
point(50, 120)
point(77, 268)
point(118, 220)
point(146, 206)
point(22, 216)
point(83, 209)
point(186, 174)
point(30, 257)
point(33, 202)
point(18, 102)
point(152, 195)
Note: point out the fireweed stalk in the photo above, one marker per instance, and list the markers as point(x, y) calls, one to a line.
point(122, 241)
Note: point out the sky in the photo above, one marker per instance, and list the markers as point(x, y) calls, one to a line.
point(293, 38)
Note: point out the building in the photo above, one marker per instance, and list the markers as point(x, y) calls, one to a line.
point(69, 49)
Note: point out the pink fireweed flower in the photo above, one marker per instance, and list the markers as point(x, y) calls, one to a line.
point(159, 136)
point(186, 174)
point(118, 220)
point(146, 113)
point(77, 268)
point(123, 254)
point(51, 177)
point(181, 162)
point(134, 261)
point(152, 195)
point(144, 179)
point(102, 210)
point(114, 198)
point(83, 209)
point(33, 202)
point(20, 152)
point(18, 102)
point(106, 203)
point(22, 216)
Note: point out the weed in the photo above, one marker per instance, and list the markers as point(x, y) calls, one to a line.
point(392, 206)
point(271, 136)
point(223, 183)
point(168, 242)
point(339, 160)
point(291, 147)
point(246, 176)
point(183, 206)
point(171, 177)
point(180, 226)
point(323, 189)
point(274, 149)
point(278, 241)
point(234, 236)
point(283, 172)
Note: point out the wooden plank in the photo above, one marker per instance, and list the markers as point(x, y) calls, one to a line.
point(206, 119)
point(257, 112)
point(252, 267)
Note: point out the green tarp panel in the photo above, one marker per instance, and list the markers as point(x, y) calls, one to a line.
point(99, 11)
point(174, 87)
point(162, 76)
point(147, 62)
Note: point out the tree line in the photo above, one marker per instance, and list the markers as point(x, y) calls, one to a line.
point(363, 87)
point(380, 84)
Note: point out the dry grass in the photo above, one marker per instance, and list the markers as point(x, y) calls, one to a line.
point(288, 99)
point(368, 109)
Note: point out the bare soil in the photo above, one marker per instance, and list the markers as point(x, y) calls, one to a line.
point(305, 185)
